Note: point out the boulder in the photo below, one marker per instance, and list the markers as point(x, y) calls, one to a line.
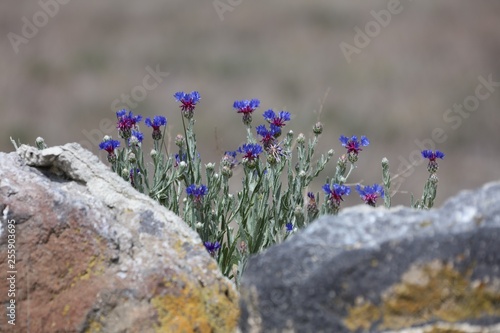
point(378, 270)
point(94, 255)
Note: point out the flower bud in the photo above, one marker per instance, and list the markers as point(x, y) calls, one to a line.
point(318, 128)
point(301, 139)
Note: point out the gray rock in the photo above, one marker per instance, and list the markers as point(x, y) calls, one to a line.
point(95, 255)
point(378, 270)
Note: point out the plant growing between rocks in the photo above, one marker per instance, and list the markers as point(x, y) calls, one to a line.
point(274, 200)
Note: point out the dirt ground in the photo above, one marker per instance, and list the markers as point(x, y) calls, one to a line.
point(407, 74)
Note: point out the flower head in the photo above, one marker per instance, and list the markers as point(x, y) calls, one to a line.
point(289, 227)
point(155, 124)
point(370, 194)
point(135, 138)
point(246, 107)
point(212, 248)
point(188, 102)
point(432, 167)
point(277, 119)
point(335, 193)
point(127, 122)
point(197, 192)
point(353, 146)
point(251, 152)
point(110, 146)
point(268, 135)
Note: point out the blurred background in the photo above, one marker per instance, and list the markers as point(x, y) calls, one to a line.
point(67, 65)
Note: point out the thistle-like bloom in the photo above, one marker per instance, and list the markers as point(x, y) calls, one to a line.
point(110, 146)
point(251, 153)
point(155, 124)
point(353, 146)
point(277, 120)
point(246, 107)
point(127, 122)
point(268, 136)
point(196, 192)
point(334, 195)
point(432, 167)
point(136, 137)
point(370, 194)
point(188, 102)
point(212, 248)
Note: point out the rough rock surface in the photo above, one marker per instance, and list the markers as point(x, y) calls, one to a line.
point(378, 270)
point(94, 255)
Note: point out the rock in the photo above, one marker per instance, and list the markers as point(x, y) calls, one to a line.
point(95, 255)
point(378, 270)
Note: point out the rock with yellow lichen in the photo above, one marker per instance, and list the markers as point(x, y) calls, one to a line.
point(378, 270)
point(95, 255)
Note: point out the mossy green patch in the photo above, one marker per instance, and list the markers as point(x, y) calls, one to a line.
point(427, 292)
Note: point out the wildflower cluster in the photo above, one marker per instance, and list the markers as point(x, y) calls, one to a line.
point(274, 200)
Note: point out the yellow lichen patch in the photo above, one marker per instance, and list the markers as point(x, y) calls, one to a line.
point(432, 291)
point(362, 316)
point(187, 308)
point(94, 327)
point(66, 309)
point(95, 267)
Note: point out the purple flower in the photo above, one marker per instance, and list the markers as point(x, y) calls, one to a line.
point(353, 146)
point(277, 120)
point(289, 227)
point(335, 194)
point(370, 194)
point(127, 122)
point(155, 124)
point(197, 192)
point(212, 248)
point(251, 151)
point(432, 167)
point(188, 102)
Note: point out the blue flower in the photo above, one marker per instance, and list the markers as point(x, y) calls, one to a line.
point(335, 194)
point(127, 122)
point(188, 102)
point(157, 122)
point(353, 146)
point(268, 135)
point(197, 192)
point(370, 194)
point(432, 155)
point(212, 248)
point(277, 120)
point(433, 166)
point(138, 137)
point(246, 106)
point(109, 145)
point(289, 227)
point(251, 151)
